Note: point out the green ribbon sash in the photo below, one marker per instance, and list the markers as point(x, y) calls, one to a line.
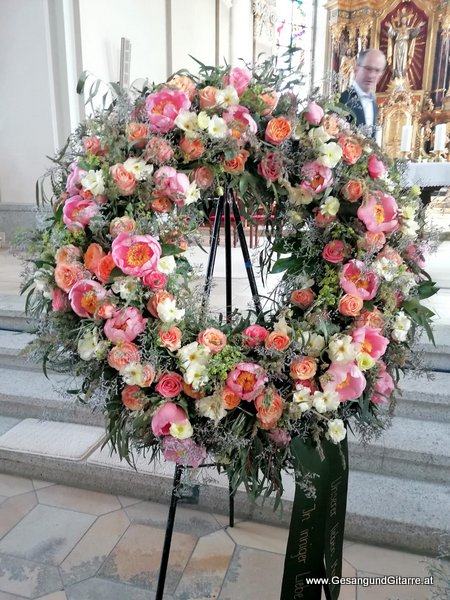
point(316, 534)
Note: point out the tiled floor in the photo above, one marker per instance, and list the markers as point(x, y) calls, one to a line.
point(62, 543)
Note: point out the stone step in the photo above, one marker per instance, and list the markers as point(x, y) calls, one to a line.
point(25, 393)
point(437, 357)
point(12, 314)
point(381, 509)
point(410, 449)
point(12, 346)
point(423, 398)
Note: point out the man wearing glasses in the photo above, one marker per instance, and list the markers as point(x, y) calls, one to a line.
point(360, 97)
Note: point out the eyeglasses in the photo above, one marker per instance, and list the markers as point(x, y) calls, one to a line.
point(372, 70)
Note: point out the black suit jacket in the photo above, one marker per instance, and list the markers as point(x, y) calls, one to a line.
point(351, 99)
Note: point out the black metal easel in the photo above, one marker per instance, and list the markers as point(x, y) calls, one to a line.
point(225, 205)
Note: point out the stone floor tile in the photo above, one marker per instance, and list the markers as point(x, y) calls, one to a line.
point(125, 501)
point(101, 589)
point(87, 501)
point(40, 483)
point(392, 592)
point(55, 596)
point(10, 485)
point(14, 509)
point(384, 561)
point(224, 520)
point(26, 578)
point(4, 596)
point(46, 534)
point(187, 520)
point(259, 536)
point(137, 556)
point(91, 551)
point(207, 567)
point(247, 579)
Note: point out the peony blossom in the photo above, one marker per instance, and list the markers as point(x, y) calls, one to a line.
point(371, 341)
point(163, 108)
point(375, 167)
point(135, 254)
point(78, 212)
point(125, 325)
point(240, 121)
point(317, 178)
point(170, 183)
point(357, 280)
point(239, 78)
point(85, 297)
point(73, 183)
point(166, 415)
point(379, 213)
point(246, 380)
point(345, 379)
point(183, 452)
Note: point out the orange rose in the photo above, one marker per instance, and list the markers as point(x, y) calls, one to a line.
point(350, 305)
point(68, 254)
point(189, 391)
point(124, 180)
point(93, 256)
point(149, 375)
point(277, 341)
point(303, 298)
point(161, 205)
point(351, 149)
point(270, 100)
point(133, 397)
point(331, 124)
point(207, 97)
point(278, 130)
point(303, 368)
point(183, 83)
point(370, 319)
point(104, 268)
point(230, 399)
point(67, 274)
point(121, 224)
point(213, 339)
point(171, 338)
point(192, 149)
point(105, 311)
point(160, 296)
point(122, 355)
point(374, 241)
point(237, 164)
point(269, 406)
point(137, 133)
point(352, 190)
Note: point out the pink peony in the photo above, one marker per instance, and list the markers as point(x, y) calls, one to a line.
point(171, 184)
point(165, 416)
point(135, 254)
point(376, 167)
point(379, 212)
point(384, 386)
point(317, 178)
point(125, 325)
point(73, 183)
point(183, 452)
point(355, 279)
point(415, 255)
point(313, 113)
point(85, 297)
point(163, 108)
point(345, 379)
point(170, 384)
point(254, 335)
point(78, 212)
point(238, 118)
point(372, 342)
point(239, 78)
point(60, 300)
point(246, 380)
point(280, 437)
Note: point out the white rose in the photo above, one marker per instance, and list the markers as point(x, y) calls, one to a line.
point(166, 265)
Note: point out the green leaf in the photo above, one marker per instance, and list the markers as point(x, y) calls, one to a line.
point(286, 264)
point(170, 250)
point(116, 272)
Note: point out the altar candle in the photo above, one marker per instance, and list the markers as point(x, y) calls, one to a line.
point(405, 146)
point(379, 136)
point(440, 137)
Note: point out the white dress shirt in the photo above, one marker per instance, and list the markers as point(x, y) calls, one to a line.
point(366, 99)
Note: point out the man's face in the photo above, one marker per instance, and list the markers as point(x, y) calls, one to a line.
point(369, 73)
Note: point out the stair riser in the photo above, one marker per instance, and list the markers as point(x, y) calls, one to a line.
point(14, 323)
point(406, 536)
point(423, 411)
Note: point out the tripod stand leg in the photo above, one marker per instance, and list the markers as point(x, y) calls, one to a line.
point(212, 253)
point(231, 504)
point(228, 263)
point(169, 532)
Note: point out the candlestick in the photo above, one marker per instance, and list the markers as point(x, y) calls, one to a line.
point(405, 145)
point(440, 137)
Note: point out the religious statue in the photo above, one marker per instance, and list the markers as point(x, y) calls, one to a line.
point(401, 45)
point(346, 68)
point(427, 137)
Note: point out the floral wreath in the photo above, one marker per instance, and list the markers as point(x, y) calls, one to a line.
point(111, 283)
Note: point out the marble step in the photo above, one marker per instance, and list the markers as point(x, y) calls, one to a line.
point(25, 393)
point(12, 314)
point(423, 398)
point(410, 449)
point(437, 357)
point(402, 513)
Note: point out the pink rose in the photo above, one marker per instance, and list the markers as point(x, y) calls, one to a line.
point(254, 335)
point(335, 251)
point(86, 296)
point(165, 416)
point(313, 113)
point(135, 254)
point(207, 97)
point(92, 144)
point(124, 180)
point(239, 78)
point(270, 167)
point(356, 279)
point(203, 177)
point(379, 212)
point(125, 325)
point(170, 384)
point(163, 108)
point(78, 212)
point(158, 151)
point(375, 167)
point(213, 339)
point(345, 379)
point(154, 280)
point(280, 437)
point(246, 380)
